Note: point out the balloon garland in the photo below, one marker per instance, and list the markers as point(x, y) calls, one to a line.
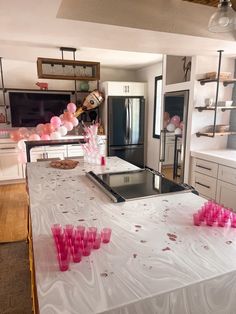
point(58, 126)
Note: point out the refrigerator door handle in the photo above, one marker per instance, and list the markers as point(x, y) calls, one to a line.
point(163, 148)
point(130, 120)
point(127, 120)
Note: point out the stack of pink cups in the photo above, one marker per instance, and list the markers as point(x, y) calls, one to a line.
point(214, 214)
point(74, 242)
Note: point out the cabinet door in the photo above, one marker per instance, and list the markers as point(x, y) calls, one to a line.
point(226, 194)
point(56, 151)
point(10, 169)
point(74, 150)
point(227, 174)
point(37, 154)
point(126, 89)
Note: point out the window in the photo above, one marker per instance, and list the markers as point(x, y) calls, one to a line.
point(157, 106)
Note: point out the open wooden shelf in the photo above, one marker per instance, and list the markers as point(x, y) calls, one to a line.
point(222, 108)
point(37, 90)
point(225, 82)
point(210, 134)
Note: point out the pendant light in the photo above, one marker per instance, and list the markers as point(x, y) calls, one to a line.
point(223, 20)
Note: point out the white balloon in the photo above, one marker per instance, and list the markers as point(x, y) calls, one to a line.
point(68, 125)
point(21, 144)
point(75, 121)
point(55, 136)
point(170, 127)
point(62, 130)
point(178, 131)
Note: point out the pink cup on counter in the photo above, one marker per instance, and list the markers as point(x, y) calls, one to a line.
point(56, 230)
point(87, 249)
point(196, 219)
point(80, 230)
point(106, 235)
point(63, 262)
point(69, 230)
point(76, 254)
point(91, 233)
point(97, 242)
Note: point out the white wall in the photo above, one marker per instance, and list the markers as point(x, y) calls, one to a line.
point(23, 75)
point(148, 74)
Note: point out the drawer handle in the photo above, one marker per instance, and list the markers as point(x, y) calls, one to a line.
point(204, 185)
point(206, 168)
point(2, 148)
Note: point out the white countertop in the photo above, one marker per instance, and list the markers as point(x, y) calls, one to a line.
point(225, 157)
point(146, 271)
point(67, 137)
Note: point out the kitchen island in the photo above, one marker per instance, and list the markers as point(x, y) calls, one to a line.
point(156, 262)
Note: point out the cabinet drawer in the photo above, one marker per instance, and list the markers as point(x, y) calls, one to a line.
point(205, 185)
point(227, 174)
point(206, 167)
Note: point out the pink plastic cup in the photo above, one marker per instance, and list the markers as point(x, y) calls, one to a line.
point(106, 235)
point(221, 221)
point(76, 255)
point(97, 242)
point(80, 230)
point(91, 233)
point(196, 219)
point(87, 249)
point(69, 230)
point(63, 260)
point(56, 230)
point(210, 221)
point(63, 265)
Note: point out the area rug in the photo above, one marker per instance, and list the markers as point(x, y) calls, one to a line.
point(15, 284)
point(13, 213)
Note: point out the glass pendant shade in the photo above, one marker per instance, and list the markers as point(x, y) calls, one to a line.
point(223, 20)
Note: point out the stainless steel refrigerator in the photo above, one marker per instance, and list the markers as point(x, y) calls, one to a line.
point(126, 118)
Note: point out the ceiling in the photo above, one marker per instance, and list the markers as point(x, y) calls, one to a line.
point(130, 38)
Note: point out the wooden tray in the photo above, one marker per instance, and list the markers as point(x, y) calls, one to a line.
point(64, 164)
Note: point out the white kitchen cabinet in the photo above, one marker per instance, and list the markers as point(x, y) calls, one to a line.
point(74, 150)
point(124, 88)
point(214, 181)
point(205, 185)
point(10, 168)
point(37, 153)
point(226, 194)
point(46, 152)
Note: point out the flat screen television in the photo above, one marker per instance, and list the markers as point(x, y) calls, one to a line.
point(29, 109)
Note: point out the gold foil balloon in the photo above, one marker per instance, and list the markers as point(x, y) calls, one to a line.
point(92, 101)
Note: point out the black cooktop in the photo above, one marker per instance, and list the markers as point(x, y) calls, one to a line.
point(127, 185)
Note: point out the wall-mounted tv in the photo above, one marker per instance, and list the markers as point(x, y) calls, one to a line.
point(29, 109)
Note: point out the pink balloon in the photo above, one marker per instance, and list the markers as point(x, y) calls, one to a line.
point(40, 129)
point(24, 132)
point(45, 137)
point(175, 120)
point(55, 121)
point(68, 125)
point(71, 107)
point(16, 136)
point(68, 116)
point(34, 137)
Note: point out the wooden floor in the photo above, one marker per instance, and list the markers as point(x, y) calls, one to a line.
point(13, 212)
